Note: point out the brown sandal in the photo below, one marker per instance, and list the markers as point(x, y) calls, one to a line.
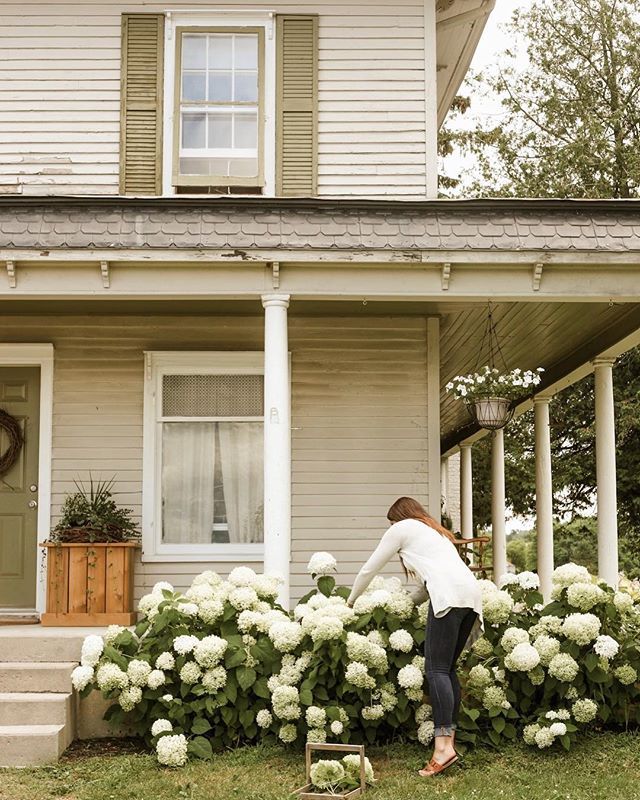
point(434, 768)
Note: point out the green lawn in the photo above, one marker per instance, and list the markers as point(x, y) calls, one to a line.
point(603, 767)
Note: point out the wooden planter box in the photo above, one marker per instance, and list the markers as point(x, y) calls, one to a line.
point(89, 584)
point(307, 791)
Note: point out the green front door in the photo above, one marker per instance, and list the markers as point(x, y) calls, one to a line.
point(20, 396)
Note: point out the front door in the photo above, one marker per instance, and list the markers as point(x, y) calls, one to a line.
point(20, 396)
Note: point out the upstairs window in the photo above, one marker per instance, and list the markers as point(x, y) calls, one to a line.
point(219, 114)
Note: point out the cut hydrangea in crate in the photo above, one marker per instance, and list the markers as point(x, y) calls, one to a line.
point(346, 778)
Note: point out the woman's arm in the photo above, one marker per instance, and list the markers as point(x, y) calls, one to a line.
point(387, 548)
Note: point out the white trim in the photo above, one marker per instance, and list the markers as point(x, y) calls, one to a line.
point(213, 17)
point(40, 355)
point(430, 101)
point(433, 417)
point(157, 364)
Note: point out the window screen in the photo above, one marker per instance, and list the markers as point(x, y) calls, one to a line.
point(212, 396)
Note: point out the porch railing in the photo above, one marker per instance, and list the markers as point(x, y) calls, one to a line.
point(472, 552)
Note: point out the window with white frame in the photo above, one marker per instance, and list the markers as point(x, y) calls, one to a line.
point(204, 419)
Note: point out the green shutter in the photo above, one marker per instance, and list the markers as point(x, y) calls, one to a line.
point(297, 105)
point(141, 104)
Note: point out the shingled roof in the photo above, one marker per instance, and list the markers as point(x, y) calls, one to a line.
point(308, 224)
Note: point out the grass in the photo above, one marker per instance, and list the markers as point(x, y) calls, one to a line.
point(602, 766)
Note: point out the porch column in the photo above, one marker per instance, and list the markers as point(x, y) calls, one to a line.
point(606, 472)
point(498, 523)
point(277, 441)
point(466, 493)
point(444, 484)
point(544, 493)
point(434, 489)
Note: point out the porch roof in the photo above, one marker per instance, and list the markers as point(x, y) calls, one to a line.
point(304, 224)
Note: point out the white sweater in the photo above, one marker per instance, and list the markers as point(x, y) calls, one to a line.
point(434, 560)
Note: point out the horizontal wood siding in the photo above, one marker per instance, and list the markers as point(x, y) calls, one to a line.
point(60, 94)
point(358, 415)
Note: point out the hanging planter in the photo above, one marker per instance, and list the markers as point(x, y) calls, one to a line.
point(490, 394)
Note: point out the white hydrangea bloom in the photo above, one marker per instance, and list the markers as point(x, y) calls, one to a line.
point(188, 609)
point(423, 611)
point(184, 644)
point(547, 647)
point(81, 677)
point(563, 667)
point(522, 658)
point(286, 702)
point(402, 641)
point(581, 628)
point(148, 605)
point(167, 698)
point(479, 676)
point(544, 738)
point(264, 718)
point(138, 672)
point(566, 574)
point(190, 673)
point(161, 726)
point(414, 693)
point(376, 637)
point(358, 674)
point(513, 636)
point(572, 693)
point(495, 697)
point(267, 586)
point(626, 674)
point(487, 586)
point(92, 648)
point(410, 677)
point(110, 676)
point(360, 648)
point(549, 623)
point(352, 768)
point(426, 730)
point(327, 628)
point(214, 679)
point(318, 735)
point(242, 576)
point(423, 713)
point(322, 563)
point(172, 750)
point(373, 712)
point(200, 593)
point(584, 595)
point(508, 579)
point(210, 611)
point(243, 598)
point(156, 679)
point(112, 633)
point(499, 674)
point(327, 774)
point(316, 717)
point(165, 660)
point(584, 710)
point(529, 733)
point(130, 697)
point(606, 646)
point(162, 586)
point(497, 606)
point(210, 650)
point(400, 604)
point(623, 601)
point(288, 733)
point(558, 728)
point(248, 620)
point(482, 647)
point(207, 577)
point(286, 636)
point(337, 727)
point(529, 580)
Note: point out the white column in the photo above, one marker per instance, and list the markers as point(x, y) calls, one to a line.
point(466, 491)
point(433, 417)
point(606, 472)
point(544, 494)
point(277, 441)
point(498, 522)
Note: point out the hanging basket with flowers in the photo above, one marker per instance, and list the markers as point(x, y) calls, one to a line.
point(489, 394)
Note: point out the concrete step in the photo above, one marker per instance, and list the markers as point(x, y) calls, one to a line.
point(38, 643)
point(35, 708)
point(30, 745)
point(19, 676)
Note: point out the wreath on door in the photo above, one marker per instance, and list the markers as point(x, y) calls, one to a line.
point(12, 430)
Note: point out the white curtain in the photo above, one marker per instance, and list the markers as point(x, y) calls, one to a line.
point(188, 459)
point(241, 445)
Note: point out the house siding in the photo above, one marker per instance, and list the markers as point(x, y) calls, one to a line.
point(60, 95)
point(359, 419)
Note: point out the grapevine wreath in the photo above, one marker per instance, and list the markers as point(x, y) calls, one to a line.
point(12, 430)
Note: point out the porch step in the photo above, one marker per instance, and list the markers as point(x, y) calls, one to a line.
point(35, 643)
point(35, 708)
point(42, 676)
point(30, 745)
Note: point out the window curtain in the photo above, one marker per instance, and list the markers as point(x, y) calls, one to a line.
point(242, 465)
point(188, 459)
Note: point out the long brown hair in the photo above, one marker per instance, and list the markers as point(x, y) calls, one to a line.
point(408, 508)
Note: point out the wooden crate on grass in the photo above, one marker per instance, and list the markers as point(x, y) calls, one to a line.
point(307, 792)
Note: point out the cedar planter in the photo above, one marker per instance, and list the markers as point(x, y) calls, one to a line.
point(89, 584)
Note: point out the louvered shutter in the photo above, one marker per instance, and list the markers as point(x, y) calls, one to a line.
point(141, 104)
point(297, 105)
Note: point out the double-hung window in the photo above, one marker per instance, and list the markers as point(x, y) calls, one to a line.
point(219, 107)
point(203, 456)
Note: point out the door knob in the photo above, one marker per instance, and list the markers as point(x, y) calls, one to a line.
point(33, 503)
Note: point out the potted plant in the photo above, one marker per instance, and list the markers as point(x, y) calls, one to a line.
point(489, 393)
point(90, 560)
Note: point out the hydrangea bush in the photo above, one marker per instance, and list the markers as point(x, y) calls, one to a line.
point(548, 671)
point(223, 664)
